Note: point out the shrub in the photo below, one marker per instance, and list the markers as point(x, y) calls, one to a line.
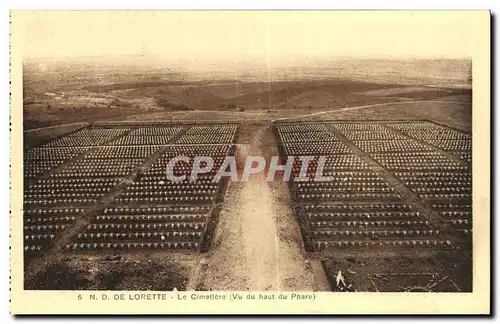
point(170, 105)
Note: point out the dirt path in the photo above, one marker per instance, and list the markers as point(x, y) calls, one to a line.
point(339, 110)
point(259, 237)
point(257, 246)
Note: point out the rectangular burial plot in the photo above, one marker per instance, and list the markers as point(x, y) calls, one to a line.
point(332, 164)
point(315, 148)
point(304, 133)
point(57, 199)
point(155, 131)
point(452, 145)
point(442, 137)
point(372, 137)
point(345, 186)
point(393, 145)
point(68, 191)
point(450, 194)
point(462, 148)
point(108, 161)
point(359, 126)
point(99, 168)
point(405, 273)
point(51, 205)
point(153, 186)
point(439, 185)
point(148, 136)
point(458, 218)
point(365, 131)
point(177, 227)
point(144, 140)
point(356, 214)
point(42, 225)
point(154, 213)
point(206, 139)
point(309, 139)
point(417, 161)
point(428, 130)
point(435, 177)
point(356, 208)
point(215, 134)
point(219, 129)
point(301, 128)
point(122, 152)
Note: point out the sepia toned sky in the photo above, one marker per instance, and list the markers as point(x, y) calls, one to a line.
point(228, 36)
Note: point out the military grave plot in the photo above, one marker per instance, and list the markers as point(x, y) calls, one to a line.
point(124, 228)
point(212, 129)
point(356, 208)
point(38, 161)
point(400, 274)
point(373, 138)
point(152, 186)
point(122, 152)
point(417, 161)
point(357, 211)
point(216, 134)
point(439, 185)
point(85, 175)
point(155, 213)
point(336, 213)
point(87, 137)
point(413, 282)
point(42, 225)
point(121, 156)
point(441, 180)
point(148, 136)
point(458, 218)
point(54, 198)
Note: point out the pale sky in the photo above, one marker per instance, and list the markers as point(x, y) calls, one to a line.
point(221, 36)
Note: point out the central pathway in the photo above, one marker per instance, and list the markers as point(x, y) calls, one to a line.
point(257, 245)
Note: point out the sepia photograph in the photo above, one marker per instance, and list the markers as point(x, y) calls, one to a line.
point(271, 153)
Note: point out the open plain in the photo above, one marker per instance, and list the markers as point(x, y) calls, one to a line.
point(99, 212)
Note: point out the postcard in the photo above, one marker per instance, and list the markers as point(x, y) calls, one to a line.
point(250, 162)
